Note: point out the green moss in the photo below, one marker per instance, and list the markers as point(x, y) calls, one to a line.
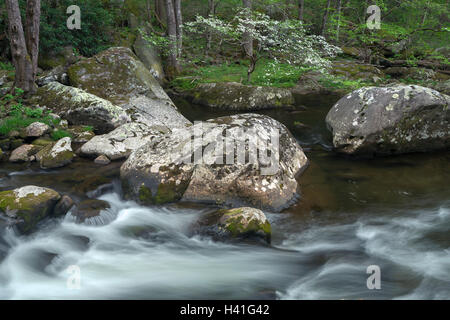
point(31, 208)
point(145, 195)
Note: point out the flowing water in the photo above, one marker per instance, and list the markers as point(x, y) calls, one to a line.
point(390, 212)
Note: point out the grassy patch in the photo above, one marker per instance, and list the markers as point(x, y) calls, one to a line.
point(16, 116)
point(334, 82)
point(267, 73)
point(59, 134)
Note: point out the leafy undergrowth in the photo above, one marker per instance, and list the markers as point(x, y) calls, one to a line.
point(15, 115)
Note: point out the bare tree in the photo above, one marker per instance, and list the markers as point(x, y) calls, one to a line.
point(24, 42)
point(248, 41)
point(174, 66)
point(301, 8)
point(339, 8)
point(212, 5)
point(179, 26)
point(325, 18)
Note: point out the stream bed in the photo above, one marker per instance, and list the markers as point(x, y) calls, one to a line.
point(390, 212)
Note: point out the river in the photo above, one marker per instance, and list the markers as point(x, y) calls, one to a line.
point(390, 212)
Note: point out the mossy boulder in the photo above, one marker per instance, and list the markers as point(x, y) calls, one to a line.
point(178, 167)
point(413, 73)
point(42, 142)
point(390, 120)
point(57, 155)
point(236, 96)
point(64, 57)
point(25, 207)
point(118, 76)
point(80, 107)
point(357, 71)
point(236, 224)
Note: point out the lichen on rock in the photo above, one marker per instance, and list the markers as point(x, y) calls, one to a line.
point(390, 120)
point(26, 206)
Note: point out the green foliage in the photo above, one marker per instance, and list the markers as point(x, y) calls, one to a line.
point(97, 24)
point(267, 73)
point(6, 66)
point(17, 116)
point(59, 134)
point(88, 128)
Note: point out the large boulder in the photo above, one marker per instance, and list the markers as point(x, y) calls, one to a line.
point(259, 167)
point(118, 76)
point(235, 224)
point(119, 144)
point(236, 96)
point(25, 207)
point(390, 120)
point(80, 107)
point(56, 155)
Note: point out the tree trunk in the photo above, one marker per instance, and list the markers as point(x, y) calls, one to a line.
point(211, 12)
point(339, 8)
point(24, 63)
point(325, 18)
point(248, 41)
point(174, 66)
point(33, 17)
point(179, 26)
point(301, 8)
point(160, 12)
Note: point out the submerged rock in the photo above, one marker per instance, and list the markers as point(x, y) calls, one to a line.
point(236, 224)
point(118, 76)
point(258, 168)
point(57, 155)
point(25, 207)
point(236, 96)
point(119, 144)
point(390, 120)
point(80, 107)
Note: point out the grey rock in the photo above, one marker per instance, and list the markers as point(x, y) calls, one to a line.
point(390, 120)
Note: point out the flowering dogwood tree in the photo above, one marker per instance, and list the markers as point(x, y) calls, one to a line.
point(285, 41)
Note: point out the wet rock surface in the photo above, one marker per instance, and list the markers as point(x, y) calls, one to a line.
point(235, 224)
point(24, 207)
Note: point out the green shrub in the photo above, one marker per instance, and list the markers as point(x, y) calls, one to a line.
point(96, 27)
point(59, 134)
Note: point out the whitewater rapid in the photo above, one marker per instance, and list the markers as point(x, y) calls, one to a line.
point(135, 252)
